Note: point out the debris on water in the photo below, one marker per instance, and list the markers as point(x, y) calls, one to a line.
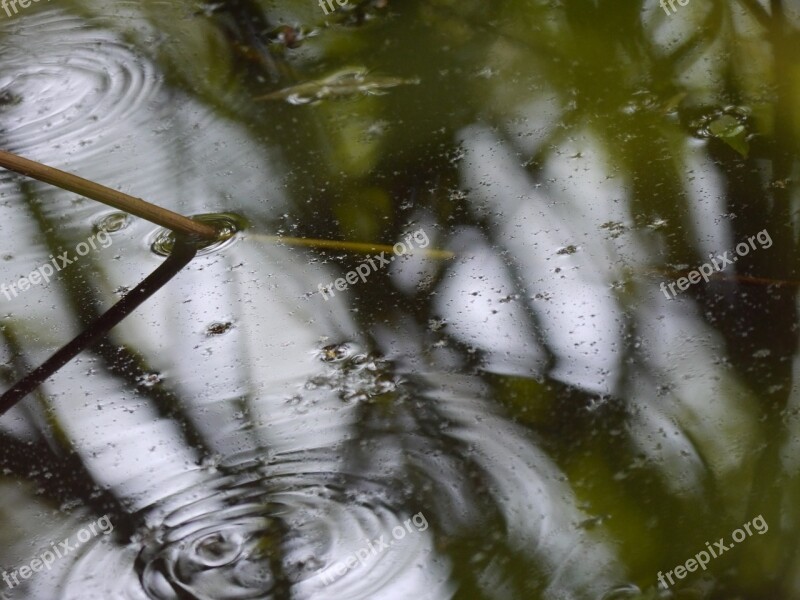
point(219, 328)
point(347, 82)
point(436, 324)
point(614, 228)
point(657, 223)
point(335, 352)
point(288, 36)
point(593, 522)
point(149, 379)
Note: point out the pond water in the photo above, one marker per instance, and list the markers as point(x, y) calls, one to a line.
point(506, 306)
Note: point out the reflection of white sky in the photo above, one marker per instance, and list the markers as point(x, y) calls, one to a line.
point(701, 414)
point(579, 320)
point(706, 201)
point(582, 319)
point(474, 300)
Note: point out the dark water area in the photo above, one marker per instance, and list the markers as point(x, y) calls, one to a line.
point(506, 307)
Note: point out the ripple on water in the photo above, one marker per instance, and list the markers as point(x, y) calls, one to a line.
point(162, 240)
point(254, 523)
point(253, 530)
point(111, 222)
point(286, 503)
point(65, 97)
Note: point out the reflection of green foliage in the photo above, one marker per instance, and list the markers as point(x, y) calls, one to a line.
point(360, 215)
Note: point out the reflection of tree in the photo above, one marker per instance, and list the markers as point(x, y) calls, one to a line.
point(543, 125)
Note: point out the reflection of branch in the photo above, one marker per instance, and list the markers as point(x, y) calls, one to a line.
point(733, 278)
point(758, 13)
point(180, 257)
point(707, 31)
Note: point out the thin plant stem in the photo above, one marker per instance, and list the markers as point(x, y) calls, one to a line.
point(135, 206)
point(360, 247)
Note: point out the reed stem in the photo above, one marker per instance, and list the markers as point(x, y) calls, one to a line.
point(135, 206)
point(360, 247)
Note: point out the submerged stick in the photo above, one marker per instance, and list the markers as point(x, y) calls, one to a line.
point(360, 247)
point(181, 255)
point(135, 206)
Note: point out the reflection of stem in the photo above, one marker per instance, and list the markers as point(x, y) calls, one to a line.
point(758, 12)
point(735, 278)
point(180, 257)
point(135, 206)
point(360, 247)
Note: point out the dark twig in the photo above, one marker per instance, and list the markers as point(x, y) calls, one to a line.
point(180, 257)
